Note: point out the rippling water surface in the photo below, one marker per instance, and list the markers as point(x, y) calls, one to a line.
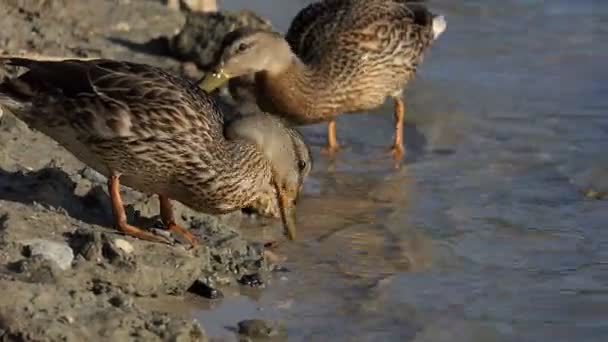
point(484, 234)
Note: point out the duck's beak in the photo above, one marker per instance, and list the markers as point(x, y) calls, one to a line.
point(287, 207)
point(214, 80)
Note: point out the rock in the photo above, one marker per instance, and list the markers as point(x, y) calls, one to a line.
point(151, 268)
point(231, 256)
point(123, 245)
point(202, 289)
point(93, 175)
point(116, 256)
point(8, 121)
point(257, 328)
point(202, 34)
point(58, 252)
point(67, 319)
point(36, 269)
point(251, 280)
point(121, 301)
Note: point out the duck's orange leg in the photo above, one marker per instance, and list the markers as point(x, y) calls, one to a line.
point(397, 149)
point(166, 214)
point(332, 143)
point(120, 217)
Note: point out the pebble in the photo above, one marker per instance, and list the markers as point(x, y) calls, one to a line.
point(204, 290)
point(124, 245)
point(252, 280)
point(258, 328)
point(93, 175)
point(58, 252)
point(121, 301)
point(66, 319)
point(122, 26)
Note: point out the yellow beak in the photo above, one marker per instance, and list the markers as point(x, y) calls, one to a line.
point(288, 212)
point(214, 80)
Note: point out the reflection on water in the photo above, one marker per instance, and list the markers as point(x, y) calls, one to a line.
point(483, 235)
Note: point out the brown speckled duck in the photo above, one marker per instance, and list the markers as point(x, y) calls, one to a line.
point(338, 56)
point(159, 134)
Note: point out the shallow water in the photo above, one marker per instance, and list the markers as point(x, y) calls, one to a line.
point(484, 234)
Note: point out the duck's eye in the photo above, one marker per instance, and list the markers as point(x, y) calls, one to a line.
point(242, 47)
point(301, 165)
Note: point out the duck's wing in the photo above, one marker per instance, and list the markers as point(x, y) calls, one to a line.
point(345, 31)
point(107, 99)
point(310, 29)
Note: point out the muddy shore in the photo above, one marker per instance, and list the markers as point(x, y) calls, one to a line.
point(65, 273)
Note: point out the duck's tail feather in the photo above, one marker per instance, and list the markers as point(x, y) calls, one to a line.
point(439, 25)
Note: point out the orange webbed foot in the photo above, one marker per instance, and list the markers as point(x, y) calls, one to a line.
point(183, 233)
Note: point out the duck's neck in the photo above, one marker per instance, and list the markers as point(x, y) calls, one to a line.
point(230, 177)
point(292, 91)
point(247, 173)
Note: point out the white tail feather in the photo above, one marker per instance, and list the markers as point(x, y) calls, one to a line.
point(439, 25)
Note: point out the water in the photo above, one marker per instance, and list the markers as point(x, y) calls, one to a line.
point(484, 234)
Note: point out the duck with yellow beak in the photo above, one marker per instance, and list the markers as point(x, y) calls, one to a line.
point(143, 127)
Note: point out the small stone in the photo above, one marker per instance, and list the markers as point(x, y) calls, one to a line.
point(100, 287)
point(161, 232)
point(204, 290)
point(258, 328)
point(87, 244)
point(123, 245)
point(116, 256)
point(58, 252)
point(121, 301)
point(122, 26)
point(252, 280)
point(8, 121)
point(92, 175)
point(66, 319)
point(36, 269)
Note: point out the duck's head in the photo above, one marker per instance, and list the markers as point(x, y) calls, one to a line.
point(247, 51)
point(287, 154)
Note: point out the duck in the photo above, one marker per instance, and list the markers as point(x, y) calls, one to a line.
point(196, 45)
point(159, 134)
point(338, 56)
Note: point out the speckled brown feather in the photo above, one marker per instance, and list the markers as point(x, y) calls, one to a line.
point(354, 54)
point(159, 132)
